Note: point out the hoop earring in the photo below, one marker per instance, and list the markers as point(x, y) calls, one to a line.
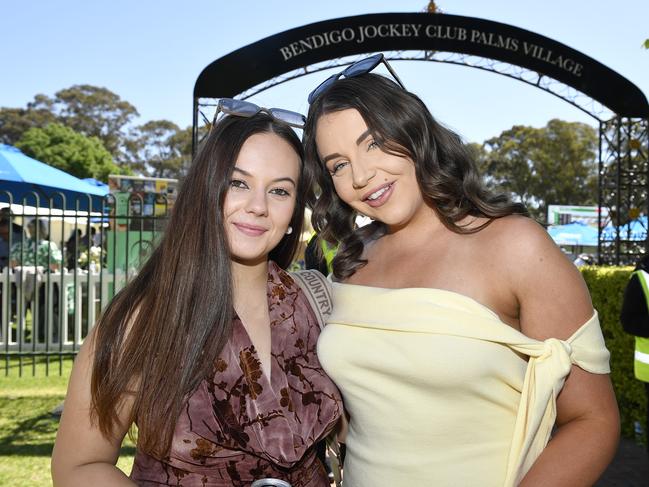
point(289, 230)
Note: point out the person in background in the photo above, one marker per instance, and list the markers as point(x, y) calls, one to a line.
point(38, 249)
point(95, 237)
point(319, 255)
point(74, 245)
point(634, 317)
point(10, 234)
point(210, 350)
point(463, 341)
point(43, 256)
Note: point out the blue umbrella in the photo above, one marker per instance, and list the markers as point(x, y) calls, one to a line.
point(95, 182)
point(34, 183)
point(573, 234)
point(633, 230)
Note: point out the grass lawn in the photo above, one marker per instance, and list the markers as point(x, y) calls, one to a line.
point(27, 429)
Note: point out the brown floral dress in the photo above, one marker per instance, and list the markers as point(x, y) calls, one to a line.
point(239, 426)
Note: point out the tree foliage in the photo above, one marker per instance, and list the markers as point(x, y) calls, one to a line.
point(156, 148)
point(163, 149)
point(95, 112)
point(555, 164)
point(63, 148)
point(16, 121)
point(90, 110)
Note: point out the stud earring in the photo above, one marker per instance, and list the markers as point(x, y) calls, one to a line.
point(289, 230)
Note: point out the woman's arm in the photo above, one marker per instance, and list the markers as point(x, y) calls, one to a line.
point(82, 454)
point(554, 302)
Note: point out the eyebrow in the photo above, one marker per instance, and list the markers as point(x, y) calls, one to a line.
point(363, 136)
point(276, 180)
point(360, 139)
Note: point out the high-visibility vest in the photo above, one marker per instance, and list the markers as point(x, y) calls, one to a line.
point(641, 362)
point(329, 252)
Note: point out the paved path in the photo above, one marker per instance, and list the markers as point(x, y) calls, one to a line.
point(630, 467)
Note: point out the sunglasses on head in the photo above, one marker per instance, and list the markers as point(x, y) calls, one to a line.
point(358, 68)
point(242, 108)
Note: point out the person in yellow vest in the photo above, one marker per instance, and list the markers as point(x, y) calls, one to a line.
point(635, 320)
point(321, 258)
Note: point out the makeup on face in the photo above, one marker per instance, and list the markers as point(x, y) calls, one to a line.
point(260, 201)
point(378, 184)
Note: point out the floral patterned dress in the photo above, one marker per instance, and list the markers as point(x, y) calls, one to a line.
point(240, 425)
point(38, 253)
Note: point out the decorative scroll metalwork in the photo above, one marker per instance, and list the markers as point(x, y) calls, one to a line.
point(623, 190)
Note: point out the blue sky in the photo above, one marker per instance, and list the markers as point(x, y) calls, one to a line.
point(151, 52)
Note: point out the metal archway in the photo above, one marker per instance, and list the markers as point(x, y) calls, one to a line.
point(620, 108)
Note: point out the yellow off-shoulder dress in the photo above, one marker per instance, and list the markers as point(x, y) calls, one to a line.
point(440, 391)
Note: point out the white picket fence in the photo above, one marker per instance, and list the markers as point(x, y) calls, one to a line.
point(81, 298)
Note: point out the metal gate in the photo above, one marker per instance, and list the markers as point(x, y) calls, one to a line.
point(59, 269)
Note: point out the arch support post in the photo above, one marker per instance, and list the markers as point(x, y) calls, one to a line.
point(623, 192)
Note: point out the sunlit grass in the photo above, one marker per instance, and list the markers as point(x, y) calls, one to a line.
point(27, 427)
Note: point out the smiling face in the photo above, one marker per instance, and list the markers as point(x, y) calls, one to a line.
point(377, 184)
point(261, 198)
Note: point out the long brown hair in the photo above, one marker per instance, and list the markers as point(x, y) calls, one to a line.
point(161, 334)
point(402, 125)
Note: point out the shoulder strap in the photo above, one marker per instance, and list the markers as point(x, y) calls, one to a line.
point(317, 289)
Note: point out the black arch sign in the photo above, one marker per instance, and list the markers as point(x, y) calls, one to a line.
point(300, 47)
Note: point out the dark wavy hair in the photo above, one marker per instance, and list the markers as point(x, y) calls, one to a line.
point(402, 125)
point(161, 334)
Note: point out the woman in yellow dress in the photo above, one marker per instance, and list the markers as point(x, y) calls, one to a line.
point(465, 344)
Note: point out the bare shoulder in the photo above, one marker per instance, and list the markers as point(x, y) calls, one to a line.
point(552, 296)
point(518, 232)
point(522, 243)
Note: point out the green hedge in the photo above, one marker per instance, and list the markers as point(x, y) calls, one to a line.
point(606, 285)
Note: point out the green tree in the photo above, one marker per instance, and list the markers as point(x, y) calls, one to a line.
point(181, 142)
point(164, 150)
point(14, 122)
point(89, 110)
point(555, 164)
point(63, 148)
point(97, 112)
